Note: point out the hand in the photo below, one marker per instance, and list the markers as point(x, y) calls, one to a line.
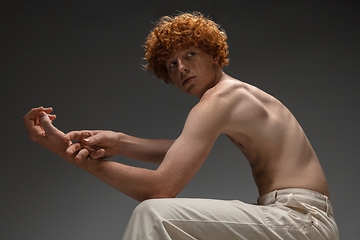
point(100, 144)
point(38, 122)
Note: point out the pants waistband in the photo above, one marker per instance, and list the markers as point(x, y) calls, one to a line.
point(304, 196)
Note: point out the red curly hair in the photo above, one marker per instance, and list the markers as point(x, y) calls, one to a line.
point(180, 32)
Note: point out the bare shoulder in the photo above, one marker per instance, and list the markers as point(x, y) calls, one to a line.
point(225, 94)
point(216, 106)
point(225, 86)
point(230, 90)
point(245, 110)
point(220, 99)
point(239, 101)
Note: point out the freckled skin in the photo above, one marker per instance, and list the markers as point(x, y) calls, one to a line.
point(269, 136)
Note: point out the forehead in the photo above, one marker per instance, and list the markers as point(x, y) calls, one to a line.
point(180, 52)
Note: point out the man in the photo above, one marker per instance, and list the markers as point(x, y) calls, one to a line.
point(189, 51)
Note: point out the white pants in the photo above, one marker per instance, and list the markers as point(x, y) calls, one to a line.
point(282, 214)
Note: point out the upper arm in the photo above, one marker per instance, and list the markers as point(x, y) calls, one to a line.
point(187, 154)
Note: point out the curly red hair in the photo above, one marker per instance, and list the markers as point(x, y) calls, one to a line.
point(180, 32)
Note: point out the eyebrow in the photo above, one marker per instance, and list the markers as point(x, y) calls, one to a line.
point(189, 49)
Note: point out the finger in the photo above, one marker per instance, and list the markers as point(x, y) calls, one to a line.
point(31, 122)
point(89, 148)
point(48, 110)
point(45, 123)
point(72, 149)
point(36, 111)
point(75, 135)
point(83, 153)
point(52, 117)
point(98, 154)
point(33, 113)
point(94, 138)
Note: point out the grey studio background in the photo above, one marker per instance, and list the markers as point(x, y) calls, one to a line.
point(84, 59)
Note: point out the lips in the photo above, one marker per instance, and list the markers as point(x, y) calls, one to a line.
point(186, 80)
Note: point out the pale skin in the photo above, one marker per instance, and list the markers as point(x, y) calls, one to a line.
point(269, 136)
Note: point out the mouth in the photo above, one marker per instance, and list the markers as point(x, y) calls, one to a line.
point(187, 80)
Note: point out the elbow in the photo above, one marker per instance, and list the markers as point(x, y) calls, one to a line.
point(161, 193)
point(160, 187)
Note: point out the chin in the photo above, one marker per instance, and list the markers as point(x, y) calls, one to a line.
point(191, 91)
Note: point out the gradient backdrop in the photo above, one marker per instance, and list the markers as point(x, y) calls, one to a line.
point(84, 59)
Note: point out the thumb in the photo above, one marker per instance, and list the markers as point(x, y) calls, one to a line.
point(93, 139)
point(45, 123)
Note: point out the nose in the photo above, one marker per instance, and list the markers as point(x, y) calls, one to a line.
point(182, 66)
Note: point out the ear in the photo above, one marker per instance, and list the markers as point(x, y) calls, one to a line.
point(216, 59)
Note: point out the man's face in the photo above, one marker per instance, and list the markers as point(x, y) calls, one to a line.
point(192, 70)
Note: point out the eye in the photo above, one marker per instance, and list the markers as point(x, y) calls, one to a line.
point(191, 54)
point(172, 64)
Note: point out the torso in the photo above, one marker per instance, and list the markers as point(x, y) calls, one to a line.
point(270, 137)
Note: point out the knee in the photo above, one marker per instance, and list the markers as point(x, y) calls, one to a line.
point(148, 208)
point(145, 215)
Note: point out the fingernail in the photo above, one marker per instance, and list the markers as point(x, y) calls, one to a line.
point(87, 140)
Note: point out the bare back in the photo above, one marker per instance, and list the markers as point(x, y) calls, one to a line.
point(270, 137)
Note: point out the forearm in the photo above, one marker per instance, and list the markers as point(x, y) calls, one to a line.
point(148, 150)
point(138, 183)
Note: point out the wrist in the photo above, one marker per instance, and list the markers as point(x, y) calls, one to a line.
point(121, 139)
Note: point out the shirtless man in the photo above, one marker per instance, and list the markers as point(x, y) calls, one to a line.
point(189, 51)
